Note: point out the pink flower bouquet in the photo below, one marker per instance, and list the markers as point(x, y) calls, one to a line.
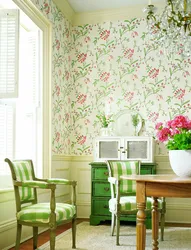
point(176, 133)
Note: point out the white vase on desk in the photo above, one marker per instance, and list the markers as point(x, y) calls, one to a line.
point(105, 131)
point(180, 161)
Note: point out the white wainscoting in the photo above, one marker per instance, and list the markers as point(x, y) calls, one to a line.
point(178, 210)
point(78, 168)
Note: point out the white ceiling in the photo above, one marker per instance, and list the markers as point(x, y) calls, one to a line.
point(95, 5)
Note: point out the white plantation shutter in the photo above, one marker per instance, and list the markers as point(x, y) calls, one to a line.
point(34, 65)
point(9, 50)
point(29, 80)
point(27, 102)
point(7, 121)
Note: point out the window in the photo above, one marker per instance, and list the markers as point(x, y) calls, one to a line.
point(22, 109)
point(9, 30)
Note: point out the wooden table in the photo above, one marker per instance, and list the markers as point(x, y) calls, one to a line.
point(155, 186)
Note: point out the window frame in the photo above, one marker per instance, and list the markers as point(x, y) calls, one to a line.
point(43, 23)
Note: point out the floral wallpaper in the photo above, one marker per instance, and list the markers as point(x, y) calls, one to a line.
point(61, 75)
point(113, 66)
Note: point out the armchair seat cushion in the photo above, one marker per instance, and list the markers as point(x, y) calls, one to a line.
point(40, 213)
point(129, 203)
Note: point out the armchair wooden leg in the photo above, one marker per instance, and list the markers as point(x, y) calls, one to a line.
point(113, 222)
point(52, 238)
point(35, 237)
point(74, 233)
point(117, 229)
point(18, 236)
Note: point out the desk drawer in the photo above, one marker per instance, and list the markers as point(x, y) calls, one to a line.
point(100, 174)
point(100, 207)
point(101, 189)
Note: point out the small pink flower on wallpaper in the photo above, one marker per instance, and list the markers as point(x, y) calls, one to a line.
point(81, 139)
point(153, 73)
point(134, 34)
point(47, 8)
point(159, 97)
point(59, 72)
point(82, 57)
point(57, 44)
point(105, 76)
point(179, 93)
point(67, 116)
point(81, 98)
point(67, 32)
point(153, 116)
point(87, 80)
point(87, 39)
point(57, 90)
point(186, 73)
point(134, 77)
point(154, 30)
point(104, 34)
point(110, 100)
point(87, 121)
point(57, 136)
point(128, 53)
point(181, 49)
point(110, 58)
point(67, 75)
point(129, 96)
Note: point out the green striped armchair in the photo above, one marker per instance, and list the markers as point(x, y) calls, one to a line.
point(31, 213)
point(123, 195)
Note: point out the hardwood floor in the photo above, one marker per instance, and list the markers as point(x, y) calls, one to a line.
point(44, 237)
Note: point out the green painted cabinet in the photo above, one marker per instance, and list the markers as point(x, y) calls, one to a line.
point(100, 191)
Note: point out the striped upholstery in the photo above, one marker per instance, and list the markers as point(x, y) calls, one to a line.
point(125, 168)
point(31, 213)
point(40, 213)
point(23, 171)
point(123, 195)
point(58, 181)
point(129, 203)
point(127, 187)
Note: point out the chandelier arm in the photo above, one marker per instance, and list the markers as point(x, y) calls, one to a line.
point(171, 4)
point(185, 6)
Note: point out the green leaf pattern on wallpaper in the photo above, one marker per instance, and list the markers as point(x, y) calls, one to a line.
point(110, 64)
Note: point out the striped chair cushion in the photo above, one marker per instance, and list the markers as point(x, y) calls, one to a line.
point(41, 212)
point(129, 203)
point(23, 171)
point(125, 168)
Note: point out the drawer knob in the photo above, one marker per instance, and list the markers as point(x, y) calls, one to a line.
point(106, 189)
point(106, 173)
point(106, 206)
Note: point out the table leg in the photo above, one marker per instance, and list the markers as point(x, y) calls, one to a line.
point(155, 224)
point(140, 227)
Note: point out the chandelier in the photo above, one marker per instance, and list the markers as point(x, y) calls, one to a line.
point(171, 29)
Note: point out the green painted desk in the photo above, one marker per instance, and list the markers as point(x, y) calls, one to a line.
point(100, 192)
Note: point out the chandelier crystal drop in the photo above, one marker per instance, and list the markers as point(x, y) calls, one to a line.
point(171, 29)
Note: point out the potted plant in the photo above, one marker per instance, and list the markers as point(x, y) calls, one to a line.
point(176, 134)
point(105, 120)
